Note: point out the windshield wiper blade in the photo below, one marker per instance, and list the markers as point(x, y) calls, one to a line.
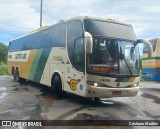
point(126, 63)
point(128, 67)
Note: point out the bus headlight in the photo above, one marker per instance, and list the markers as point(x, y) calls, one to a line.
point(95, 84)
point(135, 85)
point(92, 83)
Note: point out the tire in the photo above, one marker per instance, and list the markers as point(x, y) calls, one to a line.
point(57, 84)
point(96, 99)
point(16, 76)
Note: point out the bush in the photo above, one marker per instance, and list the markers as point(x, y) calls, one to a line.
point(3, 69)
point(3, 52)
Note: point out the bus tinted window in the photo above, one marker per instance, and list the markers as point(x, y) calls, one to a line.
point(58, 35)
point(74, 31)
point(46, 38)
point(96, 28)
point(35, 40)
point(51, 37)
point(153, 42)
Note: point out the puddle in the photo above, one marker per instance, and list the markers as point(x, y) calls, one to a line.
point(7, 111)
point(151, 115)
point(3, 93)
point(105, 101)
point(35, 114)
point(153, 97)
point(16, 85)
point(65, 115)
point(8, 78)
point(150, 89)
point(85, 116)
point(48, 95)
point(3, 89)
point(21, 88)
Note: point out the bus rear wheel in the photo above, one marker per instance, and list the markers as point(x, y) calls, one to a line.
point(16, 76)
point(57, 84)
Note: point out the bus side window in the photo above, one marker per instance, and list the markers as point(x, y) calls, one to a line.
point(46, 39)
point(58, 35)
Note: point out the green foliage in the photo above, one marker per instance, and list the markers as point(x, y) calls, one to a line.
point(3, 68)
point(3, 52)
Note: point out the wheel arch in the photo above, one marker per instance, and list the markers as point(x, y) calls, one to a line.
point(56, 72)
point(17, 67)
point(13, 68)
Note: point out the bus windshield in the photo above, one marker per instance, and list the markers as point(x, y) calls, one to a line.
point(109, 29)
point(113, 57)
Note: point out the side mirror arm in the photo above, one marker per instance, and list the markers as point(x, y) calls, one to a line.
point(149, 45)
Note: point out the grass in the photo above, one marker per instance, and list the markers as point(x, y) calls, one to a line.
point(3, 68)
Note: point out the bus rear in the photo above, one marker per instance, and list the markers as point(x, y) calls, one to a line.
point(151, 66)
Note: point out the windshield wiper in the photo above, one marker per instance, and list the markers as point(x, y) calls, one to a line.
point(126, 63)
point(128, 66)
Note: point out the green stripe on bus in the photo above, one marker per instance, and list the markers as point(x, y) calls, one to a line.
point(152, 58)
point(35, 64)
point(41, 64)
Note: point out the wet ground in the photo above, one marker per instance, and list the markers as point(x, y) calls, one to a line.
point(30, 101)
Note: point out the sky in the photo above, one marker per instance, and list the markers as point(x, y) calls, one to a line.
point(18, 17)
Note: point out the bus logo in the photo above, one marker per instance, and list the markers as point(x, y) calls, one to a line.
point(73, 84)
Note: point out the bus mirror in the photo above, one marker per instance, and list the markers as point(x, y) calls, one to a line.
point(149, 45)
point(88, 43)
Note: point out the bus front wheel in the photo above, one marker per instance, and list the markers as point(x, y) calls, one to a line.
point(57, 84)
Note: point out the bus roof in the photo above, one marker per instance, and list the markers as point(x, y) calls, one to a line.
point(75, 18)
point(99, 19)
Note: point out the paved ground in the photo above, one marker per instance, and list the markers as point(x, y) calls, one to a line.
point(35, 102)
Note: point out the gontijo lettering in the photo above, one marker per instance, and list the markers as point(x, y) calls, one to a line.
point(20, 56)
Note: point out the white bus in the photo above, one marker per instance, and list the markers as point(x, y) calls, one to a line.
point(87, 56)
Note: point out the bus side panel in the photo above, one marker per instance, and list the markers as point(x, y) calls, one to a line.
point(151, 69)
point(41, 64)
point(150, 74)
point(21, 60)
point(55, 63)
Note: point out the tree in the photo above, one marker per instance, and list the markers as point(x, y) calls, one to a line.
point(3, 52)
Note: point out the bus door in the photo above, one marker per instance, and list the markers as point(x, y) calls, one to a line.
point(74, 72)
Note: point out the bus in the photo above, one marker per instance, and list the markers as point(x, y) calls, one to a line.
point(87, 56)
point(151, 66)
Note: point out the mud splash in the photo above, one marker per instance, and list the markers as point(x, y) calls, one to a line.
point(47, 94)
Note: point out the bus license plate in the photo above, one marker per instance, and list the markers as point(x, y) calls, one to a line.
point(116, 92)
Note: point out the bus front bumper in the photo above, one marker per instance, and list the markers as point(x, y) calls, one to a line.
point(104, 92)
